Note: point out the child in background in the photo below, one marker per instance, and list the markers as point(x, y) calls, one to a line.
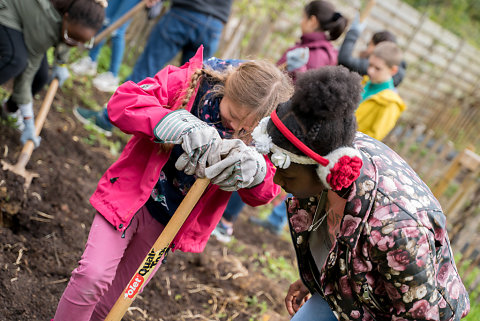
point(381, 106)
point(108, 81)
point(370, 237)
point(360, 64)
point(194, 106)
point(320, 25)
point(27, 30)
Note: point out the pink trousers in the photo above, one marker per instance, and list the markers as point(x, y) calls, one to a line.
point(107, 265)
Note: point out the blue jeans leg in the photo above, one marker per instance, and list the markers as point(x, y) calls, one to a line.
point(278, 216)
point(315, 309)
point(234, 207)
point(118, 47)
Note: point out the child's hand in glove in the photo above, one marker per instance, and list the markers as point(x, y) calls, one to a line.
point(28, 133)
point(200, 141)
point(241, 167)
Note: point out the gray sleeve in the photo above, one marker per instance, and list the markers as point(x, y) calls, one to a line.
point(398, 77)
point(22, 86)
point(345, 57)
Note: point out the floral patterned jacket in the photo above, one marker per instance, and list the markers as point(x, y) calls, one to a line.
point(392, 259)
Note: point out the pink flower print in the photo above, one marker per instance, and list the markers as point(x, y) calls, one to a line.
point(374, 222)
point(353, 192)
point(386, 243)
point(423, 246)
point(293, 205)
point(419, 309)
point(349, 224)
point(454, 289)
point(423, 218)
point(399, 307)
point(361, 265)
point(440, 234)
point(398, 259)
point(383, 213)
point(301, 221)
point(357, 205)
point(355, 314)
point(328, 289)
point(375, 237)
point(442, 304)
point(387, 184)
point(404, 288)
point(392, 291)
point(370, 279)
point(410, 232)
point(395, 318)
point(345, 286)
point(444, 273)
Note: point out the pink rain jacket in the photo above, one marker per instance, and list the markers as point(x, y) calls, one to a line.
point(126, 186)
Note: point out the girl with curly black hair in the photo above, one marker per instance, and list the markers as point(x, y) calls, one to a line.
point(370, 237)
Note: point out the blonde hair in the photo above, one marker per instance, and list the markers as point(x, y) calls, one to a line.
point(257, 85)
point(389, 52)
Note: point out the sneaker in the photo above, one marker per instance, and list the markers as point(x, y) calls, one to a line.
point(106, 82)
point(16, 117)
point(223, 233)
point(84, 67)
point(266, 225)
point(95, 119)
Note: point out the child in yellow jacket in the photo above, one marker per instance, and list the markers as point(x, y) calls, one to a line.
point(381, 106)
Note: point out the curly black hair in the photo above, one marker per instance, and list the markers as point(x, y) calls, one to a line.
point(321, 112)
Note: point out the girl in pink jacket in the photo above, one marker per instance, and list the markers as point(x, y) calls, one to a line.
point(320, 25)
point(200, 108)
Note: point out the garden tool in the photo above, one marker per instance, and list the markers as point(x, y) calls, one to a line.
point(158, 251)
point(366, 10)
point(141, 5)
point(26, 153)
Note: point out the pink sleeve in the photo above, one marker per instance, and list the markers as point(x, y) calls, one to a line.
point(263, 193)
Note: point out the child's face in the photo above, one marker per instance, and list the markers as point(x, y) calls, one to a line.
point(379, 71)
point(75, 34)
point(236, 117)
point(309, 24)
point(300, 180)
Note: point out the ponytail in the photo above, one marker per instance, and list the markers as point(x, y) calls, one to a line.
point(329, 20)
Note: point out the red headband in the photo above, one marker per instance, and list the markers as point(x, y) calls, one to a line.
point(295, 141)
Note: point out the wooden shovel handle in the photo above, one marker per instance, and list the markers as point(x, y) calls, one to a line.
point(158, 250)
point(141, 5)
point(28, 148)
point(366, 11)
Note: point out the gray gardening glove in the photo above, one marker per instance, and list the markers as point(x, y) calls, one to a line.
point(241, 166)
point(357, 25)
point(297, 58)
point(28, 132)
point(200, 141)
point(61, 73)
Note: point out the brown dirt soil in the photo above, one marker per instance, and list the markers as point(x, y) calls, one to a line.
point(43, 231)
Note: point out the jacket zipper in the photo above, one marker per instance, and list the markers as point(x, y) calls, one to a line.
point(366, 292)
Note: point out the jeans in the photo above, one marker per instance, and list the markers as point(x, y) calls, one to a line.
point(315, 309)
point(178, 30)
point(278, 216)
point(115, 10)
point(234, 207)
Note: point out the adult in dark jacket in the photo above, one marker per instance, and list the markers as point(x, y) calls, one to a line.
point(27, 30)
point(360, 64)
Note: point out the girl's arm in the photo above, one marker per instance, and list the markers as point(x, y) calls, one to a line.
point(263, 193)
point(137, 108)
